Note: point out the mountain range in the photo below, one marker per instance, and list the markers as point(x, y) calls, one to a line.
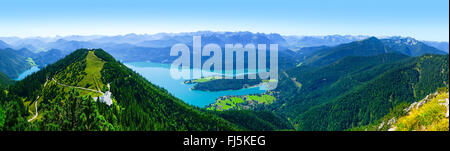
point(369, 47)
point(313, 41)
point(163, 40)
point(155, 48)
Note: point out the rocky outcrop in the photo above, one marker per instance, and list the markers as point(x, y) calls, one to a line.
point(416, 105)
point(444, 102)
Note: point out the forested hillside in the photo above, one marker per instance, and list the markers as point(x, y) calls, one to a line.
point(367, 47)
point(428, 114)
point(256, 120)
point(64, 95)
point(4, 80)
point(304, 87)
point(408, 81)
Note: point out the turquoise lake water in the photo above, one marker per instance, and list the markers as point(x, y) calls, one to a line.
point(27, 72)
point(159, 74)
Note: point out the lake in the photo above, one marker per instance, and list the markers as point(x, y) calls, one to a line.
point(27, 72)
point(159, 74)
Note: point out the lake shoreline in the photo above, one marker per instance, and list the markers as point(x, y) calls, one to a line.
point(159, 74)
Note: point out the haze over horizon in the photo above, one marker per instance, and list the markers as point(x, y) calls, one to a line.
point(95, 36)
point(422, 20)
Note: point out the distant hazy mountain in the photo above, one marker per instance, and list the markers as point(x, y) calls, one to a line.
point(68, 46)
point(3, 45)
point(156, 47)
point(369, 47)
point(158, 50)
point(158, 43)
point(32, 44)
point(79, 38)
point(47, 57)
point(219, 38)
point(162, 40)
point(296, 42)
point(439, 45)
point(330, 40)
point(410, 46)
point(130, 41)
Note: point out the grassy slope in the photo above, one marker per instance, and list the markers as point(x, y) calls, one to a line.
point(227, 104)
point(93, 77)
point(84, 73)
point(429, 117)
point(266, 99)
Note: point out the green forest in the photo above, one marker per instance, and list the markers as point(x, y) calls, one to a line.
point(356, 95)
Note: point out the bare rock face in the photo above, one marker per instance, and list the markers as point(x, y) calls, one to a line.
point(392, 122)
point(446, 105)
point(417, 105)
point(410, 107)
point(381, 125)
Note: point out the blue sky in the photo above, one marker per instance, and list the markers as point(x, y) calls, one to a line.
point(423, 20)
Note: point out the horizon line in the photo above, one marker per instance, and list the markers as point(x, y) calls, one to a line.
point(239, 31)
